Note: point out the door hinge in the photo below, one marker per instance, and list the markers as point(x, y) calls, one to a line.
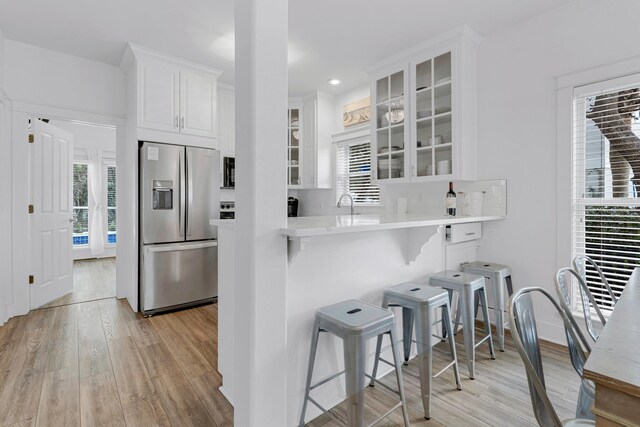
point(30, 209)
point(31, 138)
point(31, 279)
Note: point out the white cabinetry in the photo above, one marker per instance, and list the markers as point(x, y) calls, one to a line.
point(175, 100)
point(309, 149)
point(317, 141)
point(423, 124)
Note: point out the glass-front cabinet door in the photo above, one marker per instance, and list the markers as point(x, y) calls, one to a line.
point(390, 129)
point(294, 149)
point(433, 117)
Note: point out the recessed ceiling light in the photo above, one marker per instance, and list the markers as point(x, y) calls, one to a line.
point(333, 82)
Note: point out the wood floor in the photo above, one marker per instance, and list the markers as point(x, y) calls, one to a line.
point(99, 364)
point(93, 279)
point(499, 395)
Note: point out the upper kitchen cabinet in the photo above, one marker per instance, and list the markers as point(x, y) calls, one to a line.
point(174, 100)
point(309, 149)
point(424, 115)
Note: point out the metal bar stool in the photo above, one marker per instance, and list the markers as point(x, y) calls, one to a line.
point(418, 303)
point(355, 322)
point(496, 275)
point(467, 285)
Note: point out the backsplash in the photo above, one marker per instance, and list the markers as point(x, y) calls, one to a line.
point(423, 197)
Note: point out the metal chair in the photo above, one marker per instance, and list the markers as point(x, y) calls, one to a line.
point(578, 351)
point(586, 297)
point(522, 322)
point(419, 302)
point(355, 322)
point(580, 265)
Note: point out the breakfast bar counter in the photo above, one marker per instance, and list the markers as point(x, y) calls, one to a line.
point(614, 362)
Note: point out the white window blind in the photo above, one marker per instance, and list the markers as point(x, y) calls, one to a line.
point(606, 174)
point(353, 173)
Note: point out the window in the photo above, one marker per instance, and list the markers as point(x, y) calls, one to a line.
point(111, 204)
point(353, 173)
point(80, 204)
point(606, 174)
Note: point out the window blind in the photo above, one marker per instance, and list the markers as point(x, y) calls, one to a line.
point(353, 173)
point(606, 178)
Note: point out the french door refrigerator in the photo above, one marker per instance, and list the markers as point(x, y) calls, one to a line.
point(179, 195)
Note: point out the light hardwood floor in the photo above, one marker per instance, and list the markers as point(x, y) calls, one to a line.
point(98, 363)
point(93, 279)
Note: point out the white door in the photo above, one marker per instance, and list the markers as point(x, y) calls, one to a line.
point(50, 225)
point(158, 95)
point(198, 92)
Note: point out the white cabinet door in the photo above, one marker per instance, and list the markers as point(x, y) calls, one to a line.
point(158, 95)
point(198, 104)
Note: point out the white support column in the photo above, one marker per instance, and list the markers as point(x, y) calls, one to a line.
point(261, 252)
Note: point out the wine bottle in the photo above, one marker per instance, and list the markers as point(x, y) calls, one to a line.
point(450, 200)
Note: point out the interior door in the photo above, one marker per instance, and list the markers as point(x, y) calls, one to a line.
point(50, 225)
point(198, 99)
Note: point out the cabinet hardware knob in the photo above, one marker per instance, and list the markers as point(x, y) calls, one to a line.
point(176, 121)
point(182, 123)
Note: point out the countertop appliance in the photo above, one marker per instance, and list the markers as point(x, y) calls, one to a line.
point(227, 210)
point(228, 172)
point(292, 206)
point(178, 196)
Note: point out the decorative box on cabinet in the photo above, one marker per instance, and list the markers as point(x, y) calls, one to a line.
point(174, 100)
point(423, 125)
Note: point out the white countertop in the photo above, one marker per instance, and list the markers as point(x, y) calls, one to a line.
point(306, 226)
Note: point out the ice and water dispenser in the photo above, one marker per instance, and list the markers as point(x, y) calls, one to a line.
point(162, 195)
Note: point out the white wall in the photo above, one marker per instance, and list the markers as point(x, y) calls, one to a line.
point(2, 61)
point(45, 83)
point(40, 76)
point(517, 70)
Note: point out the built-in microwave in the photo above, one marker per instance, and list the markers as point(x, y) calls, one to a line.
point(228, 172)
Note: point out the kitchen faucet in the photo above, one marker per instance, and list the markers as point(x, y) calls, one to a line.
point(350, 198)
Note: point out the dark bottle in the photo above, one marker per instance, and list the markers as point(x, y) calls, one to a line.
point(450, 200)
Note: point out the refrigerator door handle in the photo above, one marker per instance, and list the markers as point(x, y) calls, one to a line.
point(189, 191)
point(181, 246)
point(182, 191)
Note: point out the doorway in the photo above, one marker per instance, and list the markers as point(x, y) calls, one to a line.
point(92, 215)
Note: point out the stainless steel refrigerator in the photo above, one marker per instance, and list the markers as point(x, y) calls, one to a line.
point(179, 195)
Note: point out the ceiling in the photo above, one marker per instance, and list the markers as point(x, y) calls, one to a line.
point(329, 38)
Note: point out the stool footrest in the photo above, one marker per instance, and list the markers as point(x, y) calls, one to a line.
point(486, 337)
point(445, 368)
point(319, 406)
point(326, 380)
point(382, 384)
point(387, 362)
point(381, 417)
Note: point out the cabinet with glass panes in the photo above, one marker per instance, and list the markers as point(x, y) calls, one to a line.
point(294, 147)
point(424, 121)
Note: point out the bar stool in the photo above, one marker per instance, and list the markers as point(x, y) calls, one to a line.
point(496, 274)
point(467, 285)
point(355, 322)
point(418, 303)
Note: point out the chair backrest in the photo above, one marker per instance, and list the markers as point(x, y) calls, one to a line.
point(563, 285)
point(580, 265)
point(579, 351)
point(522, 320)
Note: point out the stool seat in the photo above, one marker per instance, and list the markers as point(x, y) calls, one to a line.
point(353, 317)
point(482, 267)
point(450, 279)
point(416, 293)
